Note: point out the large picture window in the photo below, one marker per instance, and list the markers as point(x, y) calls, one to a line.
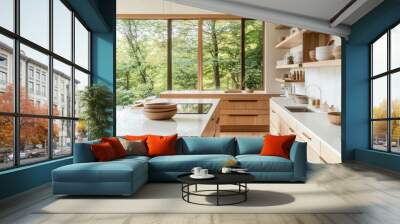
point(385, 94)
point(40, 80)
point(155, 55)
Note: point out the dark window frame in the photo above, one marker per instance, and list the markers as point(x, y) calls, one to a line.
point(388, 74)
point(201, 18)
point(16, 114)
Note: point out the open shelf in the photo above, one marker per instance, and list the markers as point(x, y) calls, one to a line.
point(327, 63)
point(314, 64)
point(293, 40)
point(288, 66)
point(287, 80)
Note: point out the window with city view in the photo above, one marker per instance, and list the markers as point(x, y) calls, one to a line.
point(385, 94)
point(41, 82)
point(186, 54)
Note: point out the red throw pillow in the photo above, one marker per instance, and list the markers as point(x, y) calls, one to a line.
point(277, 145)
point(116, 145)
point(103, 152)
point(136, 137)
point(161, 145)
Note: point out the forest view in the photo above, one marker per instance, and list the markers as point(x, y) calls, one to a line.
point(142, 58)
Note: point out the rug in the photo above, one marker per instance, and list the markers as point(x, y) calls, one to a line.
point(166, 198)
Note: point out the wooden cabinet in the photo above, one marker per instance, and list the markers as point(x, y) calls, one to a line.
point(282, 123)
point(238, 112)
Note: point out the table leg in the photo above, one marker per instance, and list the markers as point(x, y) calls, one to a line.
point(245, 193)
point(195, 188)
point(217, 194)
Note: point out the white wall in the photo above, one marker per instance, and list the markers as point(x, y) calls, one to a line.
point(271, 55)
point(156, 7)
point(328, 80)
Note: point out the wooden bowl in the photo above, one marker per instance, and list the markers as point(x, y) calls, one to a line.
point(160, 115)
point(160, 106)
point(158, 110)
point(335, 118)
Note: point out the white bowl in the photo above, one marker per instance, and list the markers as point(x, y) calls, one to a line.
point(323, 53)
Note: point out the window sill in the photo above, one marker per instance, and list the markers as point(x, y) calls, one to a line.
point(26, 167)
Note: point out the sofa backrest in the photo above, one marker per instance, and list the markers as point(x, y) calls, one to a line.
point(83, 152)
point(206, 145)
point(249, 145)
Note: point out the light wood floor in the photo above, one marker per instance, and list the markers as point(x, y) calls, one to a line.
point(379, 189)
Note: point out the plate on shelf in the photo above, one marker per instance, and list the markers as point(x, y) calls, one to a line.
point(208, 176)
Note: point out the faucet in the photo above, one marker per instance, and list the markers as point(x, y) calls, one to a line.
point(308, 87)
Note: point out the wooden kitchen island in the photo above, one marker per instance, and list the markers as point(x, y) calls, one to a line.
point(239, 112)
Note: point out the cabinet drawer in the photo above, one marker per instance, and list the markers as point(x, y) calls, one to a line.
point(244, 104)
point(244, 119)
point(311, 139)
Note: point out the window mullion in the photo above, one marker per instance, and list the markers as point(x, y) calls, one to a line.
point(16, 84)
point(389, 100)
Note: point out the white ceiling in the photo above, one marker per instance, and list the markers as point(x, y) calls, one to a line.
point(321, 9)
point(309, 14)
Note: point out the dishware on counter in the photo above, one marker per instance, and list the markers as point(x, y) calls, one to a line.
point(323, 53)
point(159, 110)
point(335, 118)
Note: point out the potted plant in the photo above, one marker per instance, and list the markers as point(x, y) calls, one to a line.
point(251, 83)
point(96, 102)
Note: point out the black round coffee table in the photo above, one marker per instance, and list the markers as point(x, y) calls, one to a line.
point(238, 179)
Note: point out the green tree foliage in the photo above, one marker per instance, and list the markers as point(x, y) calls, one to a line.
point(184, 54)
point(141, 59)
point(97, 104)
point(142, 56)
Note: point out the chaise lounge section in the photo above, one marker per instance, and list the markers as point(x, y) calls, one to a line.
point(125, 176)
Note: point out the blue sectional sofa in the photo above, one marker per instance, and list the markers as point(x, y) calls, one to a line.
point(125, 176)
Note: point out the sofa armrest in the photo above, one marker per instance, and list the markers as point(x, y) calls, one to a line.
point(83, 152)
point(298, 155)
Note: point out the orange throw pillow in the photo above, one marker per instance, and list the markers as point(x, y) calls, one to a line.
point(277, 145)
point(161, 145)
point(136, 137)
point(116, 145)
point(103, 152)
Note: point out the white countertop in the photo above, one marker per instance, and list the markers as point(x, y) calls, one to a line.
point(131, 121)
point(316, 123)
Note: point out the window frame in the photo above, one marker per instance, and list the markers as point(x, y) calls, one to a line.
point(16, 115)
point(200, 18)
point(388, 74)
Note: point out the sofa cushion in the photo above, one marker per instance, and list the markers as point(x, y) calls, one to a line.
point(161, 145)
point(277, 145)
point(207, 145)
point(112, 171)
point(185, 163)
point(116, 145)
point(257, 163)
point(103, 152)
point(249, 145)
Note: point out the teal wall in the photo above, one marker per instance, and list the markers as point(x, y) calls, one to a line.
point(99, 15)
point(355, 84)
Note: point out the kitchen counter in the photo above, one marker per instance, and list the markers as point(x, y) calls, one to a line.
point(131, 121)
point(317, 122)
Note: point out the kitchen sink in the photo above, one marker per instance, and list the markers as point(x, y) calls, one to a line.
point(299, 109)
